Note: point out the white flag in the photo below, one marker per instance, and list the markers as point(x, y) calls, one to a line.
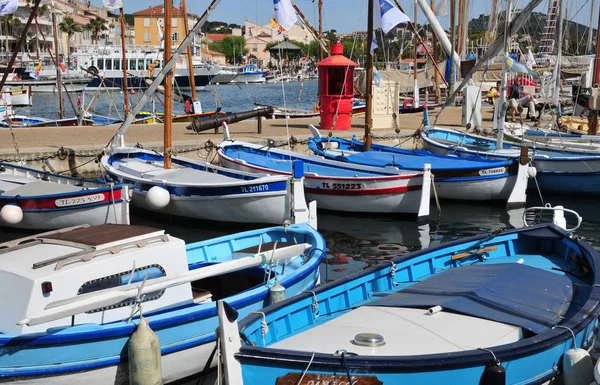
point(285, 15)
point(530, 59)
point(386, 16)
point(373, 45)
point(113, 4)
point(8, 6)
point(442, 8)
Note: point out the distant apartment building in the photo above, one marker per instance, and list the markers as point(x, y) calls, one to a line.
point(148, 22)
point(259, 36)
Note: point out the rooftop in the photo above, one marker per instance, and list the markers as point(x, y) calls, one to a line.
point(157, 10)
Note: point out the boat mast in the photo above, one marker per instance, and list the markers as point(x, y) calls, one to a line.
point(168, 121)
point(61, 112)
point(590, 29)
point(594, 126)
point(452, 80)
point(321, 29)
point(369, 91)
point(500, 112)
point(189, 55)
point(124, 65)
point(435, 60)
point(464, 28)
point(491, 35)
point(556, 73)
point(415, 72)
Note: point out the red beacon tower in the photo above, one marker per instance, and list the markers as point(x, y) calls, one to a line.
point(336, 89)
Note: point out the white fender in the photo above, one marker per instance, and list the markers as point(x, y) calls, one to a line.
point(226, 135)
point(144, 356)
point(158, 197)
point(425, 193)
point(558, 218)
point(578, 368)
point(11, 214)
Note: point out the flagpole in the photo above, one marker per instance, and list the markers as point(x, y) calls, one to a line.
point(435, 73)
point(61, 112)
point(189, 55)
point(369, 94)
point(321, 28)
point(416, 81)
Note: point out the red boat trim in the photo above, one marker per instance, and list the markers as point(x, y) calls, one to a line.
point(49, 202)
point(372, 191)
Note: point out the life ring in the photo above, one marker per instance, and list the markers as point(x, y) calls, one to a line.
point(316, 107)
point(15, 78)
point(180, 60)
point(407, 101)
point(93, 70)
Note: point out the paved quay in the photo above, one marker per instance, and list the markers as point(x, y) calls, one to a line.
point(40, 146)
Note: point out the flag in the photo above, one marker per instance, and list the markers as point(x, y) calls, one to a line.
point(8, 6)
point(161, 31)
point(362, 45)
point(373, 45)
point(151, 68)
point(530, 59)
point(112, 4)
point(386, 16)
point(285, 15)
point(401, 52)
point(442, 8)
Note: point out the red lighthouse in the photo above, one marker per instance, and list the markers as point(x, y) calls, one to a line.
point(336, 89)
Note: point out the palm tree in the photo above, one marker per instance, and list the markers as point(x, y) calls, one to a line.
point(68, 26)
point(96, 26)
point(10, 23)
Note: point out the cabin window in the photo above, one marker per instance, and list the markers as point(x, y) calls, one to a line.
point(117, 64)
point(140, 64)
point(148, 62)
point(108, 64)
point(131, 64)
point(100, 63)
point(123, 278)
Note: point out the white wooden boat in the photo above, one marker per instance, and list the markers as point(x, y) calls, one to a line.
point(32, 199)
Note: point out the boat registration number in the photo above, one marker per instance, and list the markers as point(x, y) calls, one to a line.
point(83, 200)
point(492, 171)
point(257, 188)
point(326, 379)
point(343, 186)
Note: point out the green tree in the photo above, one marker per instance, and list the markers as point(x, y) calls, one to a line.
point(96, 26)
point(68, 26)
point(11, 24)
point(233, 47)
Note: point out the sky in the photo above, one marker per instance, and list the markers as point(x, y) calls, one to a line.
point(342, 15)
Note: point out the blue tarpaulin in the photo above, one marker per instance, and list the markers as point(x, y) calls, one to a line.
point(510, 293)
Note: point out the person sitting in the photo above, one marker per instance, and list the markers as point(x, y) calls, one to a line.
point(492, 95)
point(518, 99)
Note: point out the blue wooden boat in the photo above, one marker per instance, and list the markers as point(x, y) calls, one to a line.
point(53, 330)
point(459, 178)
point(563, 171)
point(507, 304)
point(336, 185)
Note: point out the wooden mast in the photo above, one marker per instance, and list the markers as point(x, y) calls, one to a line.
point(460, 28)
point(415, 72)
point(189, 55)
point(435, 73)
point(452, 79)
point(124, 65)
point(464, 28)
point(168, 121)
point(369, 94)
point(320, 28)
point(590, 29)
point(61, 112)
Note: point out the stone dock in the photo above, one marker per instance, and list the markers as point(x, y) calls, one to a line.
point(75, 149)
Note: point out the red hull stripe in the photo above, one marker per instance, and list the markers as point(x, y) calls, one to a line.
point(51, 203)
point(374, 191)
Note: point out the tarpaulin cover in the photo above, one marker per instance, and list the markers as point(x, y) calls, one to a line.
point(510, 293)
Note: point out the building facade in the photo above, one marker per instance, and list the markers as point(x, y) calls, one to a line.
point(149, 27)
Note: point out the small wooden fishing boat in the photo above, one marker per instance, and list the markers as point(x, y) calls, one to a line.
point(81, 292)
point(29, 121)
point(504, 308)
point(557, 171)
point(196, 189)
point(32, 199)
point(458, 178)
point(336, 185)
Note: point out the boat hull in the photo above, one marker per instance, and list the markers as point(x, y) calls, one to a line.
point(249, 78)
point(384, 195)
point(49, 86)
point(96, 354)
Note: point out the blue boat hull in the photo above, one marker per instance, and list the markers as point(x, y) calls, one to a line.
point(97, 354)
point(532, 359)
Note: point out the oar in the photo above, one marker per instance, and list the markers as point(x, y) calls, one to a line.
point(108, 297)
point(472, 253)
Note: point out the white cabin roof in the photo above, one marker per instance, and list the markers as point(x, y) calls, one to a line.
point(81, 257)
